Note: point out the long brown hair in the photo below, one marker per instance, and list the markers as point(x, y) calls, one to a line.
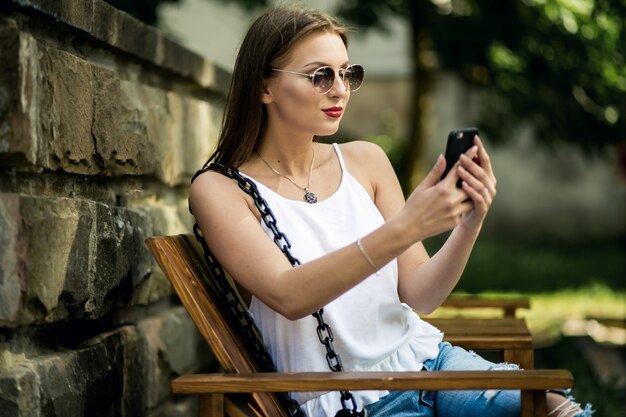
point(267, 44)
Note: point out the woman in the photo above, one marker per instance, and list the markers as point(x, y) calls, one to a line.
point(344, 213)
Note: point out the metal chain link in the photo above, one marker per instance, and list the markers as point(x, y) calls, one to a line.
point(324, 331)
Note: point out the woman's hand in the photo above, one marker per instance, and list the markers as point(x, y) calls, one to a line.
point(437, 206)
point(479, 182)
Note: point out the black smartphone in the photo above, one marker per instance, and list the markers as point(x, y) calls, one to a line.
point(459, 141)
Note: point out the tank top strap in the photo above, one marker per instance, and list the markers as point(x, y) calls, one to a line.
point(340, 157)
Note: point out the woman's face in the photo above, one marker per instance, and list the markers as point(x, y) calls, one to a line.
point(293, 104)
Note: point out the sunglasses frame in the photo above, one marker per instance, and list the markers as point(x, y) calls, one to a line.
point(336, 73)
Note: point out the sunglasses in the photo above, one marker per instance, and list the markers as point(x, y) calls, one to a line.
point(323, 78)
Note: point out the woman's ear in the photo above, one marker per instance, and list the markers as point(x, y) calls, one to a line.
point(267, 96)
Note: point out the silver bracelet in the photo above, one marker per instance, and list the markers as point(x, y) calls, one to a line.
point(365, 255)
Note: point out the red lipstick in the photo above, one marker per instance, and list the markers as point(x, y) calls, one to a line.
point(333, 111)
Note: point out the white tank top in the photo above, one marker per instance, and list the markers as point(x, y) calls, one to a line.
point(373, 330)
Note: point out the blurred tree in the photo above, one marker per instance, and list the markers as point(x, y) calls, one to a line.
point(558, 64)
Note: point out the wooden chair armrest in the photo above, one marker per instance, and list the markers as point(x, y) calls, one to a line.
point(393, 381)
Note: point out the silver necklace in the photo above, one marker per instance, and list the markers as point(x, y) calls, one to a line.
point(309, 196)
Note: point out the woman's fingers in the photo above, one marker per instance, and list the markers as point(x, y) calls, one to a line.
point(434, 174)
point(484, 161)
point(480, 196)
point(453, 175)
point(470, 170)
point(483, 156)
point(476, 175)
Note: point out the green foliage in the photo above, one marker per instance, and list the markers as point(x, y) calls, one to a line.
point(557, 63)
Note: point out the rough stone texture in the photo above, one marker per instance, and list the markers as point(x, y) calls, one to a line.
point(10, 250)
point(122, 31)
point(121, 372)
point(18, 143)
point(170, 348)
point(66, 113)
point(98, 261)
point(19, 393)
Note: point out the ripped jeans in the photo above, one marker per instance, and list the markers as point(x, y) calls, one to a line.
point(489, 403)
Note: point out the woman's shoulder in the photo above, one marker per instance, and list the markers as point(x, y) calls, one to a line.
point(213, 184)
point(208, 179)
point(363, 154)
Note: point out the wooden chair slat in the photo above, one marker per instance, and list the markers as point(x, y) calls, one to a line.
point(189, 276)
point(509, 335)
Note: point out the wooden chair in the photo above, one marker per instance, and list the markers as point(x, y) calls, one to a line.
point(220, 394)
point(508, 306)
point(507, 334)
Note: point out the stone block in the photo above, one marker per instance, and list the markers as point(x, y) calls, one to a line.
point(124, 371)
point(60, 111)
point(66, 112)
point(105, 23)
point(128, 123)
point(87, 380)
point(144, 130)
point(71, 258)
point(19, 83)
point(193, 133)
point(128, 34)
point(56, 234)
point(76, 13)
point(10, 283)
point(19, 393)
point(173, 346)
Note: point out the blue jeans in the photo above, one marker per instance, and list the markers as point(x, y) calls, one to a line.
point(489, 403)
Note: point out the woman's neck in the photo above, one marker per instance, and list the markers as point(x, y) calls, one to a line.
point(291, 158)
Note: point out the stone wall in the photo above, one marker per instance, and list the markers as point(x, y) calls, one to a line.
point(102, 122)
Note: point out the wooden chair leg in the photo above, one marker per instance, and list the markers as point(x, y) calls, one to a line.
point(241, 406)
point(522, 357)
point(211, 405)
point(534, 404)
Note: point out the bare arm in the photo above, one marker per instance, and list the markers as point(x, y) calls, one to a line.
point(233, 232)
point(426, 285)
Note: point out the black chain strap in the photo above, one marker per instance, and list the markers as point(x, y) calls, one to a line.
point(324, 331)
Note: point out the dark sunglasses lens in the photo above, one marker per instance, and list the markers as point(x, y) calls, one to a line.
point(354, 74)
point(323, 79)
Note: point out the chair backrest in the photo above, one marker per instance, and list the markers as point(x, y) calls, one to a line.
point(181, 259)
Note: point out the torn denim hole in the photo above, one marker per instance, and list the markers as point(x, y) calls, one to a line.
point(504, 366)
point(490, 394)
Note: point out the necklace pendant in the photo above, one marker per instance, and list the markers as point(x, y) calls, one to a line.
point(310, 197)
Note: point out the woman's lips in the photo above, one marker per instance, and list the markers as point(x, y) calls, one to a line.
point(333, 111)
